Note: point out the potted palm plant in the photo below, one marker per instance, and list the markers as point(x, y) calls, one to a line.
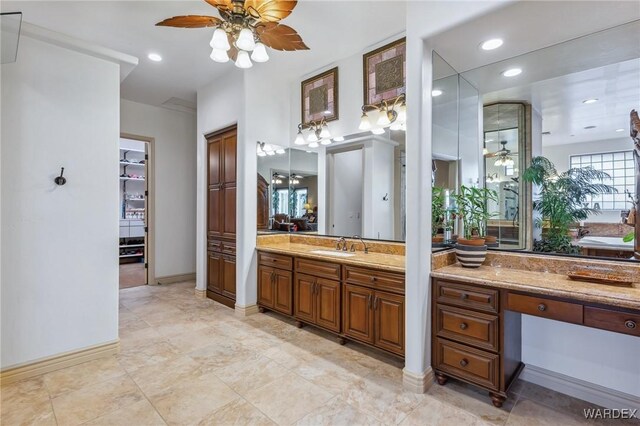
point(471, 204)
point(437, 214)
point(563, 201)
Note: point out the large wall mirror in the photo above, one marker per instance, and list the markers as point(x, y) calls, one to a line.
point(354, 186)
point(554, 142)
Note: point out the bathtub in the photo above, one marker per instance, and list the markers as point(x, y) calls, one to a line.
point(609, 243)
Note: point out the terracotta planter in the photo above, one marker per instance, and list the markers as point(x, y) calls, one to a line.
point(437, 239)
point(474, 241)
point(470, 256)
point(491, 241)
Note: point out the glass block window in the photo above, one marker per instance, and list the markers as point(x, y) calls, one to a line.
point(618, 165)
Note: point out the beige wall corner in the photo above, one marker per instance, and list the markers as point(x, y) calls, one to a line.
point(245, 311)
point(170, 279)
point(201, 294)
point(417, 383)
point(57, 362)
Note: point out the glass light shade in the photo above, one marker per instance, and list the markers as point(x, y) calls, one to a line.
point(509, 161)
point(220, 40)
point(299, 139)
point(402, 113)
point(396, 125)
point(338, 139)
point(243, 60)
point(271, 153)
point(325, 142)
point(219, 55)
point(365, 123)
point(312, 136)
point(498, 162)
point(259, 53)
point(280, 151)
point(245, 40)
point(383, 120)
point(377, 130)
point(485, 151)
point(324, 133)
point(262, 154)
point(313, 145)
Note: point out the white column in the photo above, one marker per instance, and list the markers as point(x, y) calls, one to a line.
point(418, 375)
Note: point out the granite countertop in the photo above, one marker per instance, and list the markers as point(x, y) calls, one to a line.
point(382, 261)
point(544, 283)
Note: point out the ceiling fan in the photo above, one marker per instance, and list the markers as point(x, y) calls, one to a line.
point(245, 26)
point(503, 154)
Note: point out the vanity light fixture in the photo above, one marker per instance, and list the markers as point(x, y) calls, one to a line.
point(318, 132)
point(494, 43)
point(263, 149)
point(512, 72)
point(391, 114)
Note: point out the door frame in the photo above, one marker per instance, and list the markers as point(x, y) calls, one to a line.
point(149, 249)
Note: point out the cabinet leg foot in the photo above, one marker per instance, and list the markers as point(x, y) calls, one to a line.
point(497, 400)
point(441, 378)
point(299, 324)
point(342, 340)
point(261, 309)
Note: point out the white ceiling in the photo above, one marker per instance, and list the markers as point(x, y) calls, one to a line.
point(333, 30)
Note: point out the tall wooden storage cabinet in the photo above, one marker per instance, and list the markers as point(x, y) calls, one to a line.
point(221, 216)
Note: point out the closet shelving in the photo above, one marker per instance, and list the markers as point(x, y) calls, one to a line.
point(132, 205)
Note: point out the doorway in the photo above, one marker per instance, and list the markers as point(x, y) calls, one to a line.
point(345, 199)
point(134, 213)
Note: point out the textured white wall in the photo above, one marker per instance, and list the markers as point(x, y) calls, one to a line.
point(59, 278)
point(175, 181)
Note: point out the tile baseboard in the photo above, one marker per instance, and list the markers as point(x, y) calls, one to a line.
point(577, 388)
point(201, 294)
point(57, 362)
point(245, 311)
point(170, 279)
point(418, 383)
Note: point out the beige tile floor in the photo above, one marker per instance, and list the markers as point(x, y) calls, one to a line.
point(188, 361)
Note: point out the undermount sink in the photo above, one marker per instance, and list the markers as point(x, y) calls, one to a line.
point(335, 253)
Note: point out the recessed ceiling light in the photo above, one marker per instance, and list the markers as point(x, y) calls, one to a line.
point(154, 57)
point(589, 127)
point(590, 101)
point(338, 139)
point(512, 72)
point(436, 92)
point(494, 43)
point(619, 130)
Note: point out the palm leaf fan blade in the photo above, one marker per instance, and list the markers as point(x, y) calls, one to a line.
point(281, 37)
point(190, 21)
point(269, 10)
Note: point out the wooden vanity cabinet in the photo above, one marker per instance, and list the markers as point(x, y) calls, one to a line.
point(317, 295)
point(275, 284)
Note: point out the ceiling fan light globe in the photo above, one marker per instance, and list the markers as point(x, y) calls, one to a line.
point(365, 123)
point(259, 53)
point(219, 55)
point(245, 40)
point(220, 40)
point(243, 60)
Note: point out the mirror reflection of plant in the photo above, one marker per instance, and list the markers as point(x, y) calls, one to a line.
point(634, 202)
point(563, 201)
point(276, 201)
point(437, 209)
point(471, 206)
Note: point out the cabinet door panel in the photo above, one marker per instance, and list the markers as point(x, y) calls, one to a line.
point(214, 272)
point(229, 143)
point(266, 286)
point(389, 322)
point(229, 220)
point(358, 317)
point(304, 297)
point(214, 212)
point(229, 276)
point(215, 162)
point(283, 292)
point(328, 304)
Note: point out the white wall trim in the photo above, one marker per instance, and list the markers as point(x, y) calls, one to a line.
point(127, 62)
point(596, 394)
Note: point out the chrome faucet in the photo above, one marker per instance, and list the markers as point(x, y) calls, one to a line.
point(364, 245)
point(341, 244)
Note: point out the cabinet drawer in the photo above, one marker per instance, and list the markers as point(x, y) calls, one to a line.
point(373, 278)
point(229, 248)
point(468, 363)
point(214, 245)
point(545, 308)
point(275, 260)
point(474, 328)
point(318, 268)
point(620, 322)
point(468, 296)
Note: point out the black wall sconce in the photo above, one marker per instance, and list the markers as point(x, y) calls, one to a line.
point(60, 180)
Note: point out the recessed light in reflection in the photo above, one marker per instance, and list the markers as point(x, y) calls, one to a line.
point(436, 92)
point(154, 57)
point(494, 43)
point(512, 72)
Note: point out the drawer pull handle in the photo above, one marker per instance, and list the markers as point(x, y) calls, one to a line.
point(464, 296)
point(630, 324)
point(464, 362)
point(542, 307)
point(373, 279)
point(463, 326)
